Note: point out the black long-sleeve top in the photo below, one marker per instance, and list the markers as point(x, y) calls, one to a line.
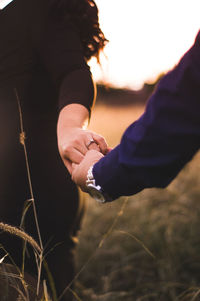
point(41, 55)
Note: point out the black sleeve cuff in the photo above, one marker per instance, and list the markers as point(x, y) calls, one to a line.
point(77, 87)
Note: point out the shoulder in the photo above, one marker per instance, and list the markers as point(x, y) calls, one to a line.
point(24, 10)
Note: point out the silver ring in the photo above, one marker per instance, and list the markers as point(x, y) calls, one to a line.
point(90, 142)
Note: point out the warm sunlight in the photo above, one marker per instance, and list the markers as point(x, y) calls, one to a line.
point(146, 38)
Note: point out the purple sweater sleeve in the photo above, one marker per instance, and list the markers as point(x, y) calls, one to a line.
point(157, 146)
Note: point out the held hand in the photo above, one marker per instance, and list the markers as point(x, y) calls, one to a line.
point(75, 143)
point(79, 171)
point(73, 140)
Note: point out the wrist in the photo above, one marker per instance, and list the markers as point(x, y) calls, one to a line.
point(95, 190)
point(73, 115)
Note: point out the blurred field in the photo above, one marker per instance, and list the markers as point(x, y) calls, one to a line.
point(111, 121)
point(146, 247)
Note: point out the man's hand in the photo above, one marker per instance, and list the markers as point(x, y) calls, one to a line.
point(79, 171)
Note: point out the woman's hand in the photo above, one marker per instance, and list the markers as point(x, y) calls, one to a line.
point(76, 142)
point(73, 140)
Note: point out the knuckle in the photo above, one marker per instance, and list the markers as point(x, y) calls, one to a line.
point(67, 149)
point(76, 140)
point(101, 141)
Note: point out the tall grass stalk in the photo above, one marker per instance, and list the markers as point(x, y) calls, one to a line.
point(22, 141)
point(22, 234)
point(100, 244)
point(12, 274)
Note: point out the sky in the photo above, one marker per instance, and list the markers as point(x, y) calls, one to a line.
point(146, 38)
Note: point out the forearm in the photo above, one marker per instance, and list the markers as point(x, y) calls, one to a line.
point(72, 115)
point(157, 146)
point(71, 121)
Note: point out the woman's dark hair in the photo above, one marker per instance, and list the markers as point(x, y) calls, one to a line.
point(84, 15)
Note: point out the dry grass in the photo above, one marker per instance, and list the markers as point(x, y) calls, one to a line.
point(153, 250)
point(22, 234)
point(14, 284)
point(146, 247)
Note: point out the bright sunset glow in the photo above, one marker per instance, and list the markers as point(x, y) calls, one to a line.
point(146, 38)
